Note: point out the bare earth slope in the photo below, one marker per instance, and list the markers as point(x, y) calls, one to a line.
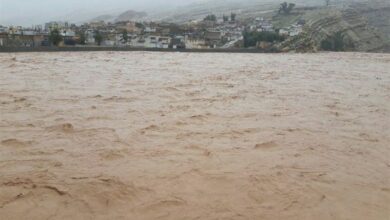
point(109, 135)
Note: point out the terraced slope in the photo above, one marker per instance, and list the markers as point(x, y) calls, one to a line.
point(353, 26)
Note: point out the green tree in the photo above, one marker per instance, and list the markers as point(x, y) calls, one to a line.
point(286, 8)
point(336, 42)
point(98, 38)
point(326, 45)
point(252, 38)
point(175, 29)
point(210, 18)
point(139, 25)
point(82, 38)
point(125, 36)
point(55, 37)
point(233, 16)
point(225, 18)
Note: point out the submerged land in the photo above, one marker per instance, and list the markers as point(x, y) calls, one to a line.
point(140, 135)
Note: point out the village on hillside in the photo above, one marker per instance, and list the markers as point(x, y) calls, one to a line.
point(224, 31)
point(287, 27)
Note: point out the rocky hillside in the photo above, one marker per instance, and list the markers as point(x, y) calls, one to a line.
point(352, 26)
point(103, 18)
point(356, 31)
point(243, 8)
point(378, 16)
point(131, 15)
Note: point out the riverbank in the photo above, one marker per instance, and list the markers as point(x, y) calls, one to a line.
point(94, 49)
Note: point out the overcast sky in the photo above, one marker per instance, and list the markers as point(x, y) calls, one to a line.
point(29, 12)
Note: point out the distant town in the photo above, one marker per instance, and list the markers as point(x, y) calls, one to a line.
point(213, 31)
point(285, 27)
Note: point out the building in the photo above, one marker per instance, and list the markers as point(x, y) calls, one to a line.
point(67, 33)
point(163, 42)
point(3, 29)
point(69, 37)
point(261, 25)
point(130, 27)
point(195, 43)
point(152, 41)
point(293, 30)
point(150, 30)
point(23, 38)
point(212, 38)
point(90, 36)
point(3, 37)
point(177, 42)
point(284, 32)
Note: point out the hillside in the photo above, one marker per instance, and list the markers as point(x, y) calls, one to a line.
point(352, 25)
point(364, 25)
point(131, 15)
point(378, 16)
point(103, 18)
point(243, 9)
point(323, 23)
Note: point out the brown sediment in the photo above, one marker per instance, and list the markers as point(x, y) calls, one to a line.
point(138, 135)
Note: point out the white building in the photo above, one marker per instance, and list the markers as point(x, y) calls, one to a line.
point(195, 43)
point(150, 30)
point(295, 30)
point(284, 31)
point(152, 41)
point(291, 31)
point(68, 33)
point(89, 36)
point(3, 29)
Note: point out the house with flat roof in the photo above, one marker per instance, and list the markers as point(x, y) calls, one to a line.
point(3, 37)
point(212, 38)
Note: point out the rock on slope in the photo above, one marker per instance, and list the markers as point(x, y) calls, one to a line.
point(131, 15)
point(378, 17)
point(352, 25)
point(322, 23)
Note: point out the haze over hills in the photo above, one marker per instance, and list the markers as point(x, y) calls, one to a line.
point(246, 8)
point(33, 12)
point(198, 9)
point(20, 12)
point(129, 15)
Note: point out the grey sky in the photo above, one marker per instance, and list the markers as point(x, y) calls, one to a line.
point(28, 12)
